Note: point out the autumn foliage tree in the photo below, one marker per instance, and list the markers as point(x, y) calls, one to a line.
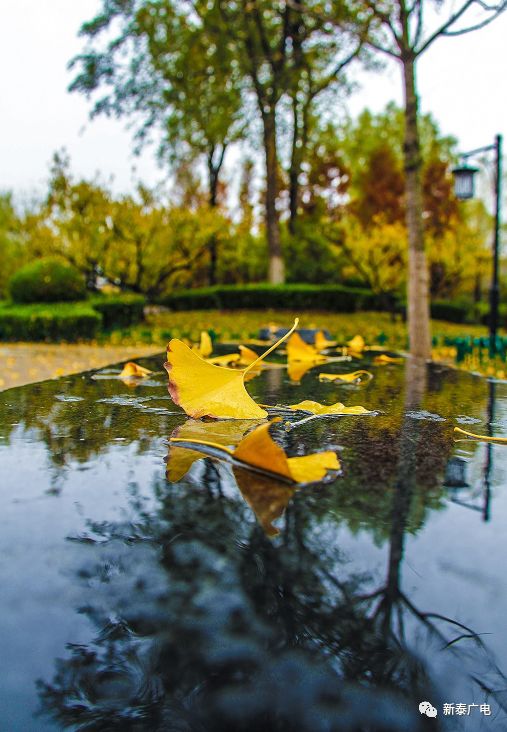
point(404, 31)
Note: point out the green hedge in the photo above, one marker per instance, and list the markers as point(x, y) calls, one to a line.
point(55, 322)
point(49, 279)
point(334, 298)
point(119, 311)
point(454, 311)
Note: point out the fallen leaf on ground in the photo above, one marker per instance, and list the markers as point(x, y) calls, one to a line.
point(298, 350)
point(247, 356)
point(259, 452)
point(322, 343)
point(301, 357)
point(355, 377)
point(225, 360)
point(204, 389)
point(317, 408)
point(224, 432)
point(297, 369)
point(133, 370)
point(383, 359)
point(357, 344)
point(205, 347)
point(483, 438)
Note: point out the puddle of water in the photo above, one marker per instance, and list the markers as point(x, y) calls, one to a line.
point(222, 597)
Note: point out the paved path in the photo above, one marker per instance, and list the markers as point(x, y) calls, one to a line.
point(24, 363)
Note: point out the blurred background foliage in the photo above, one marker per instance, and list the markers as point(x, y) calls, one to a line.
point(349, 229)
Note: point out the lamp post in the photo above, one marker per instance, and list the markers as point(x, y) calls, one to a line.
point(464, 189)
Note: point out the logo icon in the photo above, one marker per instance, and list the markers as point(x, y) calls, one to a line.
point(426, 708)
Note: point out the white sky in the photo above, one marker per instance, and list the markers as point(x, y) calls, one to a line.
point(462, 82)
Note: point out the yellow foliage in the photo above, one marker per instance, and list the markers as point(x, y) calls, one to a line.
point(203, 389)
point(205, 347)
point(355, 377)
point(259, 452)
point(322, 409)
point(298, 350)
point(385, 359)
point(133, 370)
point(224, 432)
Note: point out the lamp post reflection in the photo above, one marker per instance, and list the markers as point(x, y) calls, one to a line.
point(455, 475)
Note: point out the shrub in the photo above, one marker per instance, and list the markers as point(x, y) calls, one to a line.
point(308, 256)
point(62, 322)
point(454, 311)
point(334, 298)
point(47, 280)
point(119, 311)
point(205, 298)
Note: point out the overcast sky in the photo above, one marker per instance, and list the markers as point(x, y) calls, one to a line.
point(462, 82)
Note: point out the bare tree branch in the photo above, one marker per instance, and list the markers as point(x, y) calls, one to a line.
point(419, 22)
point(470, 28)
point(451, 20)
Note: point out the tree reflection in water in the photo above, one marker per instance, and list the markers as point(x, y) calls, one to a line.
point(206, 623)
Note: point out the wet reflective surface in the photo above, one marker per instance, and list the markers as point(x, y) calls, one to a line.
point(142, 590)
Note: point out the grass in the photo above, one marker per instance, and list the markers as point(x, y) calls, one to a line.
point(243, 325)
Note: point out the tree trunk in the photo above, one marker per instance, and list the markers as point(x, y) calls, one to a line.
point(299, 142)
point(276, 273)
point(213, 176)
point(417, 281)
point(295, 166)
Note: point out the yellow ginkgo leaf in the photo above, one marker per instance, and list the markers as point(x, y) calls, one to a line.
point(226, 360)
point(205, 347)
point(355, 377)
point(310, 468)
point(317, 408)
point(266, 497)
point(297, 369)
point(203, 389)
point(133, 370)
point(483, 438)
point(298, 350)
point(321, 342)
point(224, 432)
point(247, 356)
point(384, 359)
point(179, 461)
point(357, 344)
point(257, 451)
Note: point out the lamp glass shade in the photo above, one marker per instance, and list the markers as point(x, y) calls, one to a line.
point(455, 473)
point(464, 181)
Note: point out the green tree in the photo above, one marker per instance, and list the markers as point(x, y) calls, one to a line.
point(164, 68)
point(158, 247)
point(401, 30)
point(289, 56)
point(137, 242)
point(12, 254)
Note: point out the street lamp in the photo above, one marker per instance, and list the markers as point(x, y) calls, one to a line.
point(464, 189)
point(464, 181)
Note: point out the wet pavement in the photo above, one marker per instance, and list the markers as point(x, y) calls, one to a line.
point(26, 363)
point(224, 601)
